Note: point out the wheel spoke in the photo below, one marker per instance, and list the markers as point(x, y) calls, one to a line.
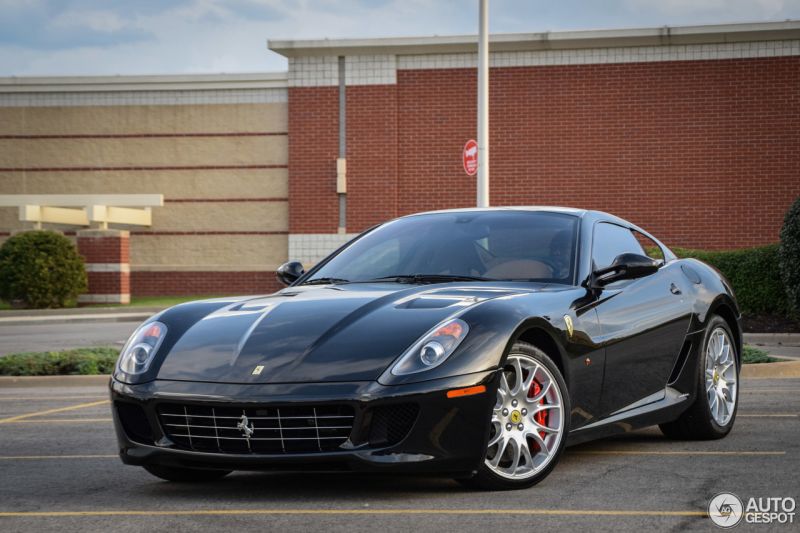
point(539, 407)
point(539, 442)
point(498, 436)
point(515, 362)
point(529, 380)
point(526, 454)
point(723, 404)
point(516, 454)
point(501, 450)
point(545, 389)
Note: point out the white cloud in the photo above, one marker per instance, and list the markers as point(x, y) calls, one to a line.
point(180, 36)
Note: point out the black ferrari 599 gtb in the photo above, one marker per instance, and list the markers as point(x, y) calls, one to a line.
point(470, 343)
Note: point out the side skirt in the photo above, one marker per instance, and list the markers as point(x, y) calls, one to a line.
point(669, 407)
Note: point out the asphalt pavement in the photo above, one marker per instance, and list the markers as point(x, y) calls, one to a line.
point(59, 472)
point(53, 336)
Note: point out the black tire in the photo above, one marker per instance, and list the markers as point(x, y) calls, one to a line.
point(485, 478)
point(185, 475)
point(697, 422)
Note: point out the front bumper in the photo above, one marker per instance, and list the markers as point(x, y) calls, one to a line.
point(448, 435)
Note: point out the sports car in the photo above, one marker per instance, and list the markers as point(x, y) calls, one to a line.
point(472, 343)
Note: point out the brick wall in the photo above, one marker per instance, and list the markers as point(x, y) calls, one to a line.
point(313, 148)
point(107, 260)
point(178, 283)
point(372, 154)
point(703, 153)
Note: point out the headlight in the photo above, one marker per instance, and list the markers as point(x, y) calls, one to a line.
point(140, 349)
point(433, 348)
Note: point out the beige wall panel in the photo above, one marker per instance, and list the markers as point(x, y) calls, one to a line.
point(108, 120)
point(235, 183)
point(144, 152)
point(203, 216)
point(9, 220)
point(208, 252)
point(226, 216)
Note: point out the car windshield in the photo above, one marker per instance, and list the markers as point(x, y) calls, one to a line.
point(493, 245)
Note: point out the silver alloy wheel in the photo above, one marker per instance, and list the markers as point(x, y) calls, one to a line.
point(527, 421)
point(721, 386)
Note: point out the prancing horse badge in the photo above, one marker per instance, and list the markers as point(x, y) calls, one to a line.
point(568, 322)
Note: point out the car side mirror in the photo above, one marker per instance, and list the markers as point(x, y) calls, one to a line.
point(289, 272)
point(625, 266)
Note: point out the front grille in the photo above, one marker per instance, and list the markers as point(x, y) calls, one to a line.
point(263, 430)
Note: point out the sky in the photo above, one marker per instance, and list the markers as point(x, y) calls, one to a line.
point(106, 37)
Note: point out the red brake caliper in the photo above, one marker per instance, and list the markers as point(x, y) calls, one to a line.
point(541, 416)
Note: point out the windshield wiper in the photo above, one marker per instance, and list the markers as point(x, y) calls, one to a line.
point(324, 281)
point(429, 278)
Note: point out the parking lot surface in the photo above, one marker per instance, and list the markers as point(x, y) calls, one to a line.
point(59, 472)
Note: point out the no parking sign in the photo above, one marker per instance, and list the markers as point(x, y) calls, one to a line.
point(470, 157)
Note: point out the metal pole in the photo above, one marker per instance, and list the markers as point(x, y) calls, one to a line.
point(483, 105)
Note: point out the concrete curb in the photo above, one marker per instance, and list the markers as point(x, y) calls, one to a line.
point(52, 381)
point(15, 313)
point(82, 317)
point(761, 339)
point(782, 370)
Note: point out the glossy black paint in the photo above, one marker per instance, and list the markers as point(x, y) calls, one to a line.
point(627, 364)
point(289, 272)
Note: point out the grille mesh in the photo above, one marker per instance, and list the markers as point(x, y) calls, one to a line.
point(391, 423)
point(264, 430)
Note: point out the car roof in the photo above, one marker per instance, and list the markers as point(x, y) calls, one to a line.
point(539, 208)
point(590, 216)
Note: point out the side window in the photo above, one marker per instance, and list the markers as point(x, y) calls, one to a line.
point(651, 249)
point(610, 241)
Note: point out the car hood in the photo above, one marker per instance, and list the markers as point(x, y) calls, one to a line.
point(316, 334)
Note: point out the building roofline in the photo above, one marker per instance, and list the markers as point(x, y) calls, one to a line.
point(179, 82)
point(507, 42)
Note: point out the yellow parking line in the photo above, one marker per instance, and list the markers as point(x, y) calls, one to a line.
point(762, 391)
point(51, 411)
point(45, 398)
point(681, 452)
point(60, 420)
point(778, 415)
point(37, 457)
point(261, 512)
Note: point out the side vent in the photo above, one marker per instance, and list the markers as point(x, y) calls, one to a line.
point(676, 371)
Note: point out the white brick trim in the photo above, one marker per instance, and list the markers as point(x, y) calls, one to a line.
point(632, 54)
point(316, 71)
point(104, 298)
point(310, 248)
point(121, 98)
point(107, 267)
point(371, 70)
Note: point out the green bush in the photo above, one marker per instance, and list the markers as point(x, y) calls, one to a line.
point(84, 361)
point(789, 256)
point(41, 269)
point(753, 273)
point(752, 355)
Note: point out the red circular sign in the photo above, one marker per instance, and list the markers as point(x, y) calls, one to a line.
point(470, 157)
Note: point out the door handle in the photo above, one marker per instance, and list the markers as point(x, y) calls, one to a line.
point(674, 289)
